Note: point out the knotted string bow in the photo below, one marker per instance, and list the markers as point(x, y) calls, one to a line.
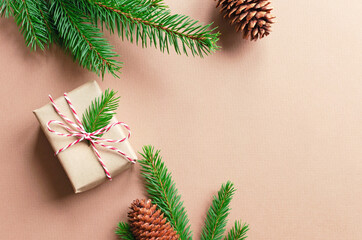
point(93, 137)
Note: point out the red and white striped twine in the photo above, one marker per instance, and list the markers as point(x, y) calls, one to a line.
point(78, 130)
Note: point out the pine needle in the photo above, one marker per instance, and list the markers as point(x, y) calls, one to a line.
point(83, 40)
point(30, 18)
point(124, 231)
point(216, 218)
point(238, 232)
point(5, 8)
point(73, 25)
point(158, 4)
point(163, 192)
point(101, 111)
point(142, 21)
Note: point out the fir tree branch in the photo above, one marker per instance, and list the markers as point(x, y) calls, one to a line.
point(124, 231)
point(158, 4)
point(43, 7)
point(101, 111)
point(163, 192)
point(6, 8)
point(83, 39)
point(138, 20)
point(73, 25)
point(238, 232)
point(31, 22)
point(216, 218)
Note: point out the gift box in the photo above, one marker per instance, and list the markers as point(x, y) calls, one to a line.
point(80, 161)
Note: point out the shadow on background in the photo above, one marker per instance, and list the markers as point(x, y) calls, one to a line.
point(9, 29)
point(230, 40)
point(54, 55)
point(56, 182)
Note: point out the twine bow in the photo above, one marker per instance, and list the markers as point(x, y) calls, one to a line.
point(93, 137)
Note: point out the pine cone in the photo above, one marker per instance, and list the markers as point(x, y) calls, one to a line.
point(251, 17)
point(148, 223)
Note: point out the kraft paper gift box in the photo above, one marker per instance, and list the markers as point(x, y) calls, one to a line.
point(79, 161)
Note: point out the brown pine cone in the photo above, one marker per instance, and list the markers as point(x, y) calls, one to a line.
point(148, 223)
point(251, 17)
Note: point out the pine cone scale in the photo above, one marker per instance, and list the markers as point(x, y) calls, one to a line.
point(251, 17)
point(148, 223)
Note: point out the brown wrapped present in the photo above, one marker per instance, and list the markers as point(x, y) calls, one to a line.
point(80, 161)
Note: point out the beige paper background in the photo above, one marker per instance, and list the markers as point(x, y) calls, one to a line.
point(282, 118)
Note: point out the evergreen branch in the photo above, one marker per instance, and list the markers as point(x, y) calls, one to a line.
point(84, 40)
point(6, 8)
point(158, 4)
point(216, 218)
point(73, 25)
point(29, 18)
point(238, 232)
point(124, 231)
point(163, 192)
point(101, 111)
point(138, 20)
point(43, 7)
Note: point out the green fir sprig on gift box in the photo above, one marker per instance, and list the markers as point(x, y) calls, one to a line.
point(100, 111)
point(163, 193)
point(77, 26)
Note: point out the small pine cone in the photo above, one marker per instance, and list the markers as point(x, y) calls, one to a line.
point(148, 223)
point(251, 17)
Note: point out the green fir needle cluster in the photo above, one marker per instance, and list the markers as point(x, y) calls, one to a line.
point(216, 218)
point(100, 111)
point(163, 192)
point(124, 231)
point(77, 26)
